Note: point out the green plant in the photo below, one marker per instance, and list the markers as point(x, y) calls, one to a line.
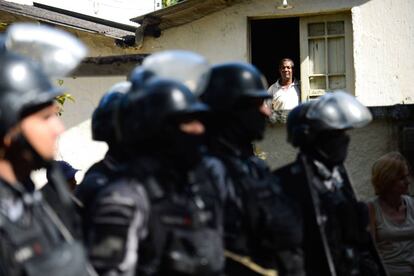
point(167, 3)
point(62, 99)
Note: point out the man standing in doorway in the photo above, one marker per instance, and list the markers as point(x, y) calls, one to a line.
point(285, 92)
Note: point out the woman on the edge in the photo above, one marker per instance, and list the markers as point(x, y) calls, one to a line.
point(392, 214)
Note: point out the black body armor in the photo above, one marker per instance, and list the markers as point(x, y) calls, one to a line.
point(33, 241)
point(336, 240)
point(180, 230)
point(261, 221)
point(185, 223)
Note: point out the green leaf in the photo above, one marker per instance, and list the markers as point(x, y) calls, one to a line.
point(62, 99)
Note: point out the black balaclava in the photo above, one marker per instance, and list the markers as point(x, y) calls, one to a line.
point(182, 149)
point(242, 125)
point(330, 147)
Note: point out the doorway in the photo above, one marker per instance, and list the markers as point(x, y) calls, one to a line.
point(272, 40)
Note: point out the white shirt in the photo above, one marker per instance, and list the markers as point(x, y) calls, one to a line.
point(284, 98)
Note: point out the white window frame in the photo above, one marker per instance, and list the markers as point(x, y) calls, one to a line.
point(304, 52)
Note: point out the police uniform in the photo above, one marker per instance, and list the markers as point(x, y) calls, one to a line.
point(260, 221)
point(336, 240)
point(162, 228)
point(114, 217)
point(151, 214)
point(342, 220)
point(34, 240)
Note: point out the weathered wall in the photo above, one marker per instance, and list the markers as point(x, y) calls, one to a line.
point(76, 145)
point(384, 51)
point(383, 33)
point(224, 35)
point(383, 37)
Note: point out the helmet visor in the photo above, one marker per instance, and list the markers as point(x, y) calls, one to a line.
point(339, 110)
point(57, 52)
point(184, 66)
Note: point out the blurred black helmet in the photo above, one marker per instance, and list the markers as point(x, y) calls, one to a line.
point(102, 123)
point(23, 88)
point(230, 82)
point(333, 111)
point(138, 77)
point(161, 101)
point(187, 67)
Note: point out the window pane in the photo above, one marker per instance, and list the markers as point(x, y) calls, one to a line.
point(317, 56)
point(316, 29)
point(337, 82)
point(335, 28)
point(317, 83)
point(336, 55)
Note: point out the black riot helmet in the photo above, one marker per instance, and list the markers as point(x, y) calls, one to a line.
point(161, 101)
point(333, 111)
point(102, 122)
point(23, 88)
point(230, 82)
point(235, 93)
point(318, 127)
point(138, 76)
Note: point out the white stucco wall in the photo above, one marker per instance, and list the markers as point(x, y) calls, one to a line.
point(383, 40)
point(384, 51)
point(76, 145)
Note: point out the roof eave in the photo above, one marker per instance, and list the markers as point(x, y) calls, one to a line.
point(63, 20)
point(152, 24)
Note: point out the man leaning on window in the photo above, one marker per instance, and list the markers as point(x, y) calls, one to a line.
point(285, 92)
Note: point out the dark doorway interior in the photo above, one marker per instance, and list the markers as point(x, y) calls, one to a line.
point(272, 40)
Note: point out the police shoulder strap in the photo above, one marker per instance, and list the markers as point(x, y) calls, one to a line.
point(372, 220)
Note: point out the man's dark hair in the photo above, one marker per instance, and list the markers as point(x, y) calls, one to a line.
point(286, 59)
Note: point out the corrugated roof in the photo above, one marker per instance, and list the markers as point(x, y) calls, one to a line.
point(65, 20)
point(184, 12)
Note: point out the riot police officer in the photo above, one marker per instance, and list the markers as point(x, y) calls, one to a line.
point(102, 127)
point(157, 212)
point(260, 221)
point(34, 241)
point(336, 241)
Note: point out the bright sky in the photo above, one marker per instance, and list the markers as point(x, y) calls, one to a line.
point(114, 10)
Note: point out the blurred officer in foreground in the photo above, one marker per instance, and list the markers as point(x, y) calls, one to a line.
point(156, 211)
point(51, 195)
point(336, 240)
point(34, 241)
point(102, 126)
point(260, 222)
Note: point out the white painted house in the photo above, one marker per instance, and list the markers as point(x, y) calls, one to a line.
point(363, 46)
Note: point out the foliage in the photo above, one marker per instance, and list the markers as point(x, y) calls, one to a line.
point(62, 99)
point(167, 3)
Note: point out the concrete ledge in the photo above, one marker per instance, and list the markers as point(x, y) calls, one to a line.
point(393, 112)
point(398, 112)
